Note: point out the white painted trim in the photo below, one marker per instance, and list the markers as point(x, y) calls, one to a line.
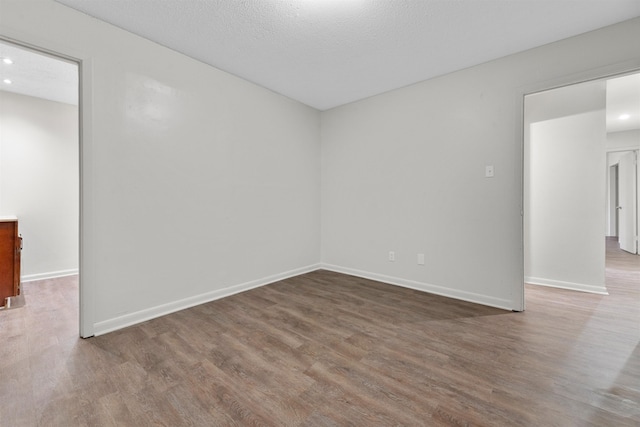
point(87, 223)
point(607, 71)
point(85, 117)
point(619, 149)
point(111, 325)
point(49, 275)
point(425, 287)
point(593, 289)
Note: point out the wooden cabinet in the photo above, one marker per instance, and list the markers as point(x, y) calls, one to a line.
point(10, 247)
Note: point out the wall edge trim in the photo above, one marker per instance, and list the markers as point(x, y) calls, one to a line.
point(425, 287)
point(581, 287)
point(110, 325)
point(48, 275)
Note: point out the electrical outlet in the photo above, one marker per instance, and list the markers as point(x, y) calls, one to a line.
point(392, 256)
point(420, 259)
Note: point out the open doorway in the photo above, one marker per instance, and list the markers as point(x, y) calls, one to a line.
point(622, 146)
point(575, 139)
point(40, 164)
point(622, 208)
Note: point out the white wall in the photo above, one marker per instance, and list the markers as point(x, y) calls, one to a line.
point(616, 141)
point(626, 140)
point(565, 187)
point(565, 246)
point(39, 181)
point(613, 158)
point(611, 226)
point(404, 171)
point(195, 183)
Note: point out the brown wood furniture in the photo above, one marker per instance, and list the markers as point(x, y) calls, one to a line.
point(10, 247)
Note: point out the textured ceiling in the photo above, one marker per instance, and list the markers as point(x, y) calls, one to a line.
point(326, 53)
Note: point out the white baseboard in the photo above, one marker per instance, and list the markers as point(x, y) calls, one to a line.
point(101, 328)
point(592, 289)
point(48, 275)
point(425, 287)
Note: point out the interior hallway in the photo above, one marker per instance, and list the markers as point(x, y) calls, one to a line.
point(328, 349)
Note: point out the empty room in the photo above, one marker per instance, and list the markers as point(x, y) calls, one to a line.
point(324, 213)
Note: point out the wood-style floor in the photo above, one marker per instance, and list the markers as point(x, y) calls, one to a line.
point(326, 349)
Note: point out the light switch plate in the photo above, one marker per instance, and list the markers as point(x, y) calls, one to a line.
point(488, 171)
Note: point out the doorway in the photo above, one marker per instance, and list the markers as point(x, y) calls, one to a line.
point(567, 132)
point(612, 199)
point(622, 200)
point(627, 201)
point(40, 159)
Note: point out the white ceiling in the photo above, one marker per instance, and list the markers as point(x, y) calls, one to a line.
point(623, 97)
point(42, 76)
point(38, 75)
point(326, 53)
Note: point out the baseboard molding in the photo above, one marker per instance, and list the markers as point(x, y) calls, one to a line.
point(601, 290)
point(425, 287)
point(101, 328)
point(49, 275)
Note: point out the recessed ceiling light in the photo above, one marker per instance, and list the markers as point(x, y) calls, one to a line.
point(7, 60)
point(7, 81)
point(624, 116)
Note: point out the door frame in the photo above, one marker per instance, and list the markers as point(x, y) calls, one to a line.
point(85, 259)
point(606, 72)
point(612, 199)
point(635, 152)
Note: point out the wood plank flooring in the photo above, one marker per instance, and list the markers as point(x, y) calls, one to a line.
point(325, 349)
